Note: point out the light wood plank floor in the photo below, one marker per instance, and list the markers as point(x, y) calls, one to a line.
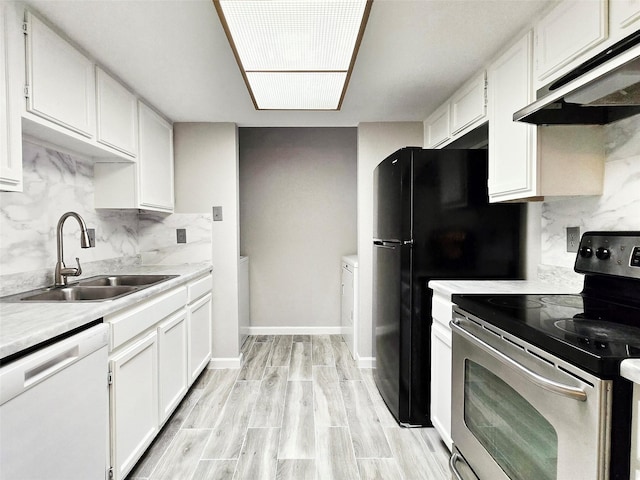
point(298, 409)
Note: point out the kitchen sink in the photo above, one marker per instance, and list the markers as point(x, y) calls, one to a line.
point(78, 293)
point(93, 289)
point(125, 280)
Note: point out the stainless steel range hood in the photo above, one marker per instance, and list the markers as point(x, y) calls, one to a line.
point(600, 91)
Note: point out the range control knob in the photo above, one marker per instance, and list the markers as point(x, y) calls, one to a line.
point(603, 253)
point(586, 252)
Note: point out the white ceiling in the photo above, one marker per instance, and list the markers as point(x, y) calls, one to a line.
point(414, 54)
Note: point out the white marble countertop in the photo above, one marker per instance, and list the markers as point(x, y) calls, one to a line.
point(630, 369)
point(451, 287)
point(25, 324)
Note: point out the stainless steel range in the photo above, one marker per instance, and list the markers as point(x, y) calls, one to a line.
point(535, 378)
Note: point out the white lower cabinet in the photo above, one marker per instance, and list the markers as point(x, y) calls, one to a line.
point(159, 346)
point(199, 322)
point(441, 368)
point(133, 402)
point(172, 360)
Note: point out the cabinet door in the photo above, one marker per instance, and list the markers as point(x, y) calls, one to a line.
point(436, 127)
point(172, 363)
point(512, 154)
point(199, 336)
point(441, 381)
point(155, 161)
point(569, 30)
point(11, 84)
point(117, 111)
point(468, 105)
point(133, 421)
point(61, 80)
point(624, 18)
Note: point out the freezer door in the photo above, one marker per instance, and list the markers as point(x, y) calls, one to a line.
point(392, 190)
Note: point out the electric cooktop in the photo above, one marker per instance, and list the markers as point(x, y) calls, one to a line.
point(596, 329)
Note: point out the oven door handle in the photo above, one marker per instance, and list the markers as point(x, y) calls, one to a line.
point(455, 458)
point(550, 385)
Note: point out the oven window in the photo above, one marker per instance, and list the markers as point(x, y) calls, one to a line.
point(513, 432)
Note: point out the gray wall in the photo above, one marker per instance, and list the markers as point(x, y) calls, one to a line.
point(298, 214)
point(206, 175)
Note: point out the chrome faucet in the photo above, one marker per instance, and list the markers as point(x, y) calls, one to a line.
point(62, 271)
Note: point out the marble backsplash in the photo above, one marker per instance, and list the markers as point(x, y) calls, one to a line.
point(55, 183)
point(158, 238)
point(618, 208)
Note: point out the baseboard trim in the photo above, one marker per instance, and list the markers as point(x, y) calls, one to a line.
point(295, 330)
point(222, 363)
point(365, 362)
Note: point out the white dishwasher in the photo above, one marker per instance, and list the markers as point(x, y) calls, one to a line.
point(54, 411)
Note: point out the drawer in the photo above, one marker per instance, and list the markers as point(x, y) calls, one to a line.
point(199, 288)
point(128, 323)
point(441, 310)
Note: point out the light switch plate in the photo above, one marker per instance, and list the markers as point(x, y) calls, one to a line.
point(573, 239)
point(181, 234)
point(217, 214)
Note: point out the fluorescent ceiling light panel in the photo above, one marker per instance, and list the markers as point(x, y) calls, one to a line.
point(297, 90)
point(295, 54)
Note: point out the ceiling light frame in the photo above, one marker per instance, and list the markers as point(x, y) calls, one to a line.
point(246, 73)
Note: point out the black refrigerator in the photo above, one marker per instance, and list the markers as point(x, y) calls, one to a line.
point(432, 220)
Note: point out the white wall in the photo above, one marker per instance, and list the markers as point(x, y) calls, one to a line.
point(206, 175)
point(297, 219)
point(375, 142)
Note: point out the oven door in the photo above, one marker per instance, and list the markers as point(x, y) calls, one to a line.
point(519, 413)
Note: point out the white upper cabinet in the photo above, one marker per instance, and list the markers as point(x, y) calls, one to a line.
point(60, 79)
point(528, 162)
point(437, 128)
point(624, 18)
point(567, 36)
point(512, 145)
point(117, 114)
point(73, 103)
point(148, 183)
point(465, 110)
point(155, 161)
point(468, 104)
point(10, 109)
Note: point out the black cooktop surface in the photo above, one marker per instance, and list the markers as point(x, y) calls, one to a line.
point(592, 333)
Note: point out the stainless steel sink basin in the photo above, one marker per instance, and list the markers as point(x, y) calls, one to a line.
point(126, 280)
point(77, 293)
point(93, 289)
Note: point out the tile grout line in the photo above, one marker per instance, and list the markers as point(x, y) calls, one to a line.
point(253, 408)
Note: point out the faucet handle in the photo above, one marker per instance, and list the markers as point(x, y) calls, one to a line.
point(70, 271)
point(78, 271)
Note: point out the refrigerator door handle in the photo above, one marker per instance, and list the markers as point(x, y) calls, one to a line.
point(387, 243)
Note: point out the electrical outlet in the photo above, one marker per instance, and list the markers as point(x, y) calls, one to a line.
point(91, 232)
point(181, 233)
point(573, 239)
point(217, 214)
